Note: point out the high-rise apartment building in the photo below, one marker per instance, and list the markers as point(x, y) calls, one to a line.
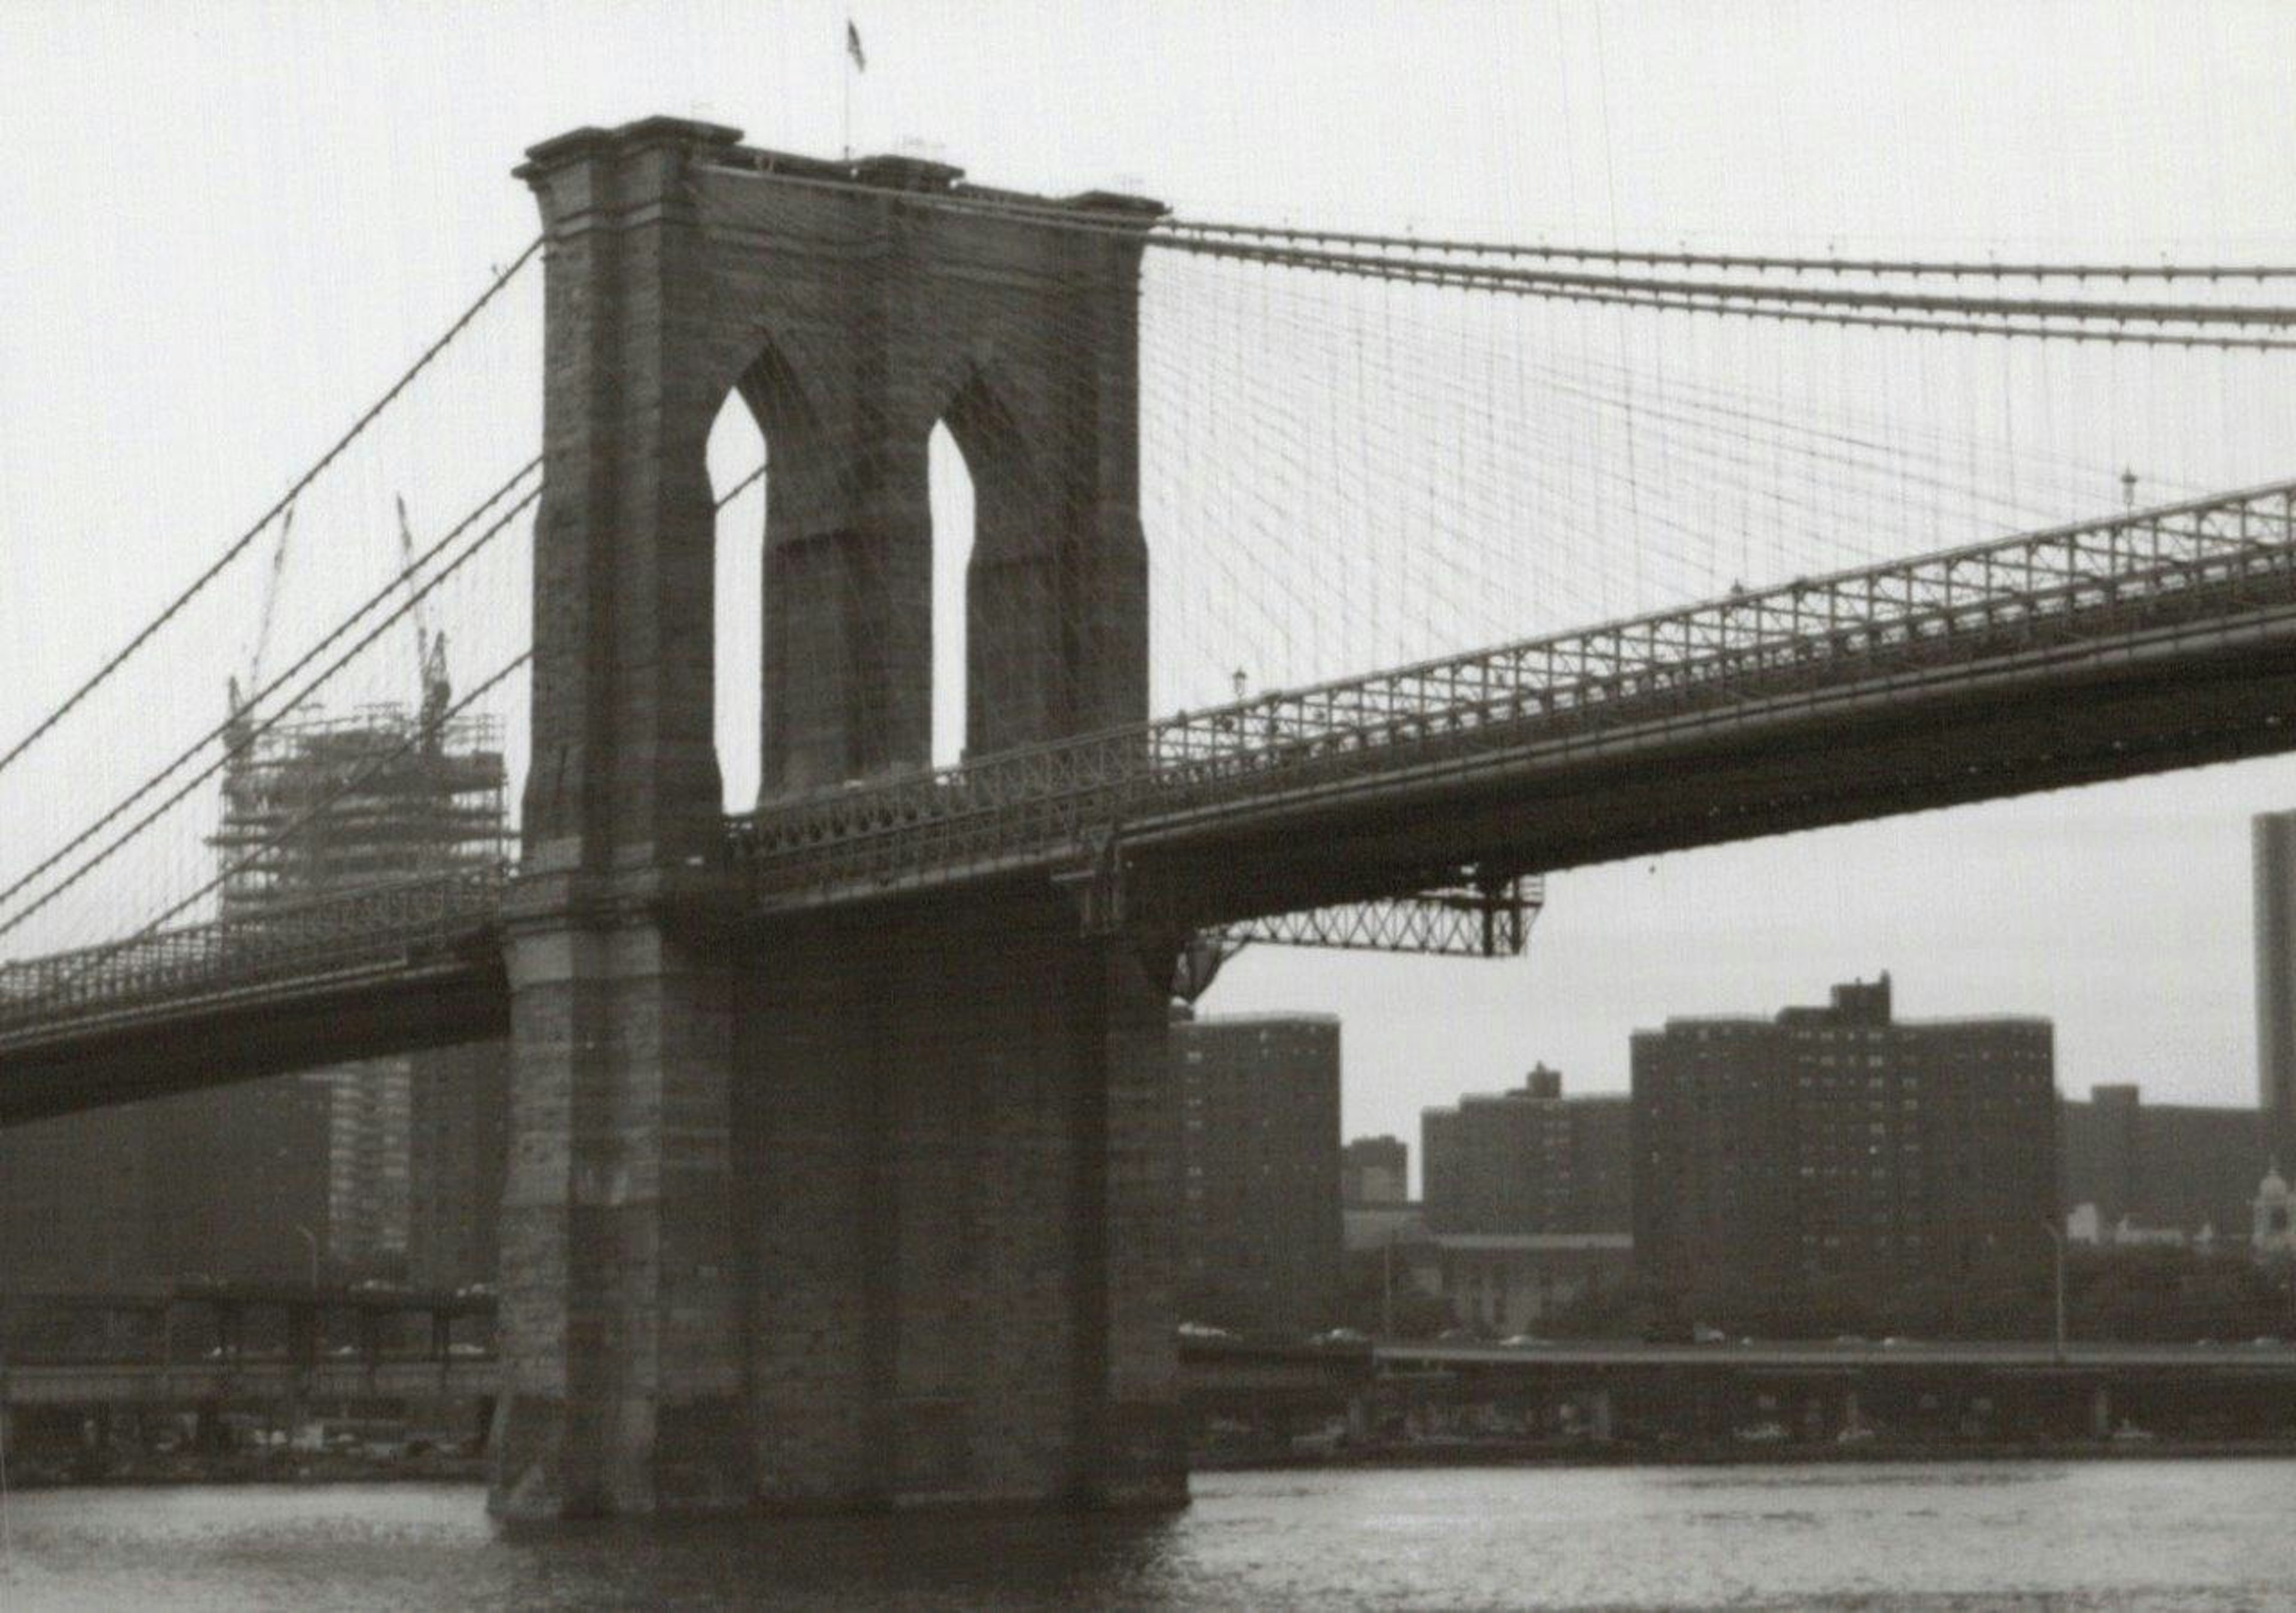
point(1527, 1161)
point(459, 1152)
point(1260, 1170)
point(1839, 1155)
point(75, 1202)
point(314, 806)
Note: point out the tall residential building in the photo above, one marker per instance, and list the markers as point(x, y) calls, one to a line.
point(1374, 1170)
point(75, 1202)
point(2274, 839)
point(1838, 1153)
point(459, 1128)
point(1260, 1152)
point(229, 1183)
point(2181, 1167)
point(1527, 1161)
point(313, 806)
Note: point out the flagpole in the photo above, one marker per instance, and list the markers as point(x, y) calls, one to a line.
point(845, 58)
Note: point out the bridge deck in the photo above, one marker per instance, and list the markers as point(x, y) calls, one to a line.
point(2162, 638)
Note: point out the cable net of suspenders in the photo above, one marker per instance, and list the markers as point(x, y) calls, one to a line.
point(1358, 450)
point(333, 701)
point(1363, 450)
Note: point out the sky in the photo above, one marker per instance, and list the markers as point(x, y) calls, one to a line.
point(229, 226)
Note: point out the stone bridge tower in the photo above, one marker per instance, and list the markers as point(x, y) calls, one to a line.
point(877, 1209)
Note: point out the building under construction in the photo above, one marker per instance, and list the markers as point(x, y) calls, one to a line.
point(315, 805)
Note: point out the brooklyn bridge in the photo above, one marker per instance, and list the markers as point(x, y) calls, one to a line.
point(841, 1157)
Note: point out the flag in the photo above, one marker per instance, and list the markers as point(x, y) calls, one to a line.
point(853, 45)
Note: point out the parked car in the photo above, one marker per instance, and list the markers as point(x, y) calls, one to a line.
point(1527, 1341)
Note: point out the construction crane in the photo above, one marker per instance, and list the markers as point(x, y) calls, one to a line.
point(429, 645)
point(237, 698)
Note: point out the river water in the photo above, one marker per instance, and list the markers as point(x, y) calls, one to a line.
point(2113, 1535)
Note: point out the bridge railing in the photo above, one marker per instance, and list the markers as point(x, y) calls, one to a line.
point(1070, 793)
point(337, 930)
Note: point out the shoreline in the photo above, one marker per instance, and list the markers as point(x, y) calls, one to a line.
point(1498, 1453)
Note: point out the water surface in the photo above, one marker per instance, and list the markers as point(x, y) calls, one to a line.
point(2120, 1535)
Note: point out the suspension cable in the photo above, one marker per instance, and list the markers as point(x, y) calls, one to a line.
point(238, 546)
point(414, 597)
point(405, 577)
point(1756, 262)
point(1805, 304)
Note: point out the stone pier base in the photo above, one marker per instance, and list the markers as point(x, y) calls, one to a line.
point(875, 1215)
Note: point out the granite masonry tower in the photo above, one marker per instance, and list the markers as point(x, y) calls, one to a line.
point(875, 1209)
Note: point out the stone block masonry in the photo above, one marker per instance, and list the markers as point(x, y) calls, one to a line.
point(876, 1209)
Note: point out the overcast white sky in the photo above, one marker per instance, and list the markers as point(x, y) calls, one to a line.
point(226, 226)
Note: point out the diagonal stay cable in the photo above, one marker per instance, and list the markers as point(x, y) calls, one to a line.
point(414, 599)
point(373, 763)
point(256, 697)
point(358, 778)
point(238, 546)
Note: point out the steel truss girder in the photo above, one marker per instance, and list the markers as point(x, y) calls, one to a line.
point(1454, 922)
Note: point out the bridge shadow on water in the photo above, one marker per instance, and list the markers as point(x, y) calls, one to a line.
point(418, 1545)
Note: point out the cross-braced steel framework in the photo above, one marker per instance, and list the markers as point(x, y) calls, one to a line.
point(1462, 923)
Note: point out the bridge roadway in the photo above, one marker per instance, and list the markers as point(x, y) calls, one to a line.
point(2158, 639)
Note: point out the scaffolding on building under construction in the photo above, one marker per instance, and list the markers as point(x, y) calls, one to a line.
point(316, 805)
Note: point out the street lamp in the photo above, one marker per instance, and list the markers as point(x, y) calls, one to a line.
point(2057, 1237)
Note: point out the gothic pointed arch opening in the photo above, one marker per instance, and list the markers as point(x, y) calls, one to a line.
point(759, 442)
point(948, 481)
point(737, 463)
point(1015, 648)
